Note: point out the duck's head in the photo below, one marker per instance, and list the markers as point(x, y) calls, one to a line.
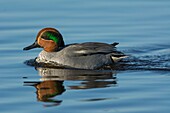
point(49, 39)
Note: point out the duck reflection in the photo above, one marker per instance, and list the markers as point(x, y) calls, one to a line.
point(49, 89)
point(46, 90)
point(52, 80)
point(89, 78)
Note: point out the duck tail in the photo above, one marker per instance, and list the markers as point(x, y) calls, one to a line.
point(114, 44)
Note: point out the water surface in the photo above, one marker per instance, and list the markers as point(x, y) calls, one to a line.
point(142, 29)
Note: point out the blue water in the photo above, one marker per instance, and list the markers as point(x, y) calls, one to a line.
point(142, 29)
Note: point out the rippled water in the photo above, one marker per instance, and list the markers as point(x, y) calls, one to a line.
point(140, 85)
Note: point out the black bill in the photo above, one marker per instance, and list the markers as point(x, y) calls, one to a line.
point(34, 45)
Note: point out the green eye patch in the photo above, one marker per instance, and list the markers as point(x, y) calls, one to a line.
point(52, 37)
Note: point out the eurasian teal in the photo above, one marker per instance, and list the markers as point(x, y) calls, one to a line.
point(88, 55)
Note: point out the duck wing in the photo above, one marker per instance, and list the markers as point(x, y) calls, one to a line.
point(90, 48)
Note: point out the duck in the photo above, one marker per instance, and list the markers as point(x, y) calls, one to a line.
point(86, 55)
